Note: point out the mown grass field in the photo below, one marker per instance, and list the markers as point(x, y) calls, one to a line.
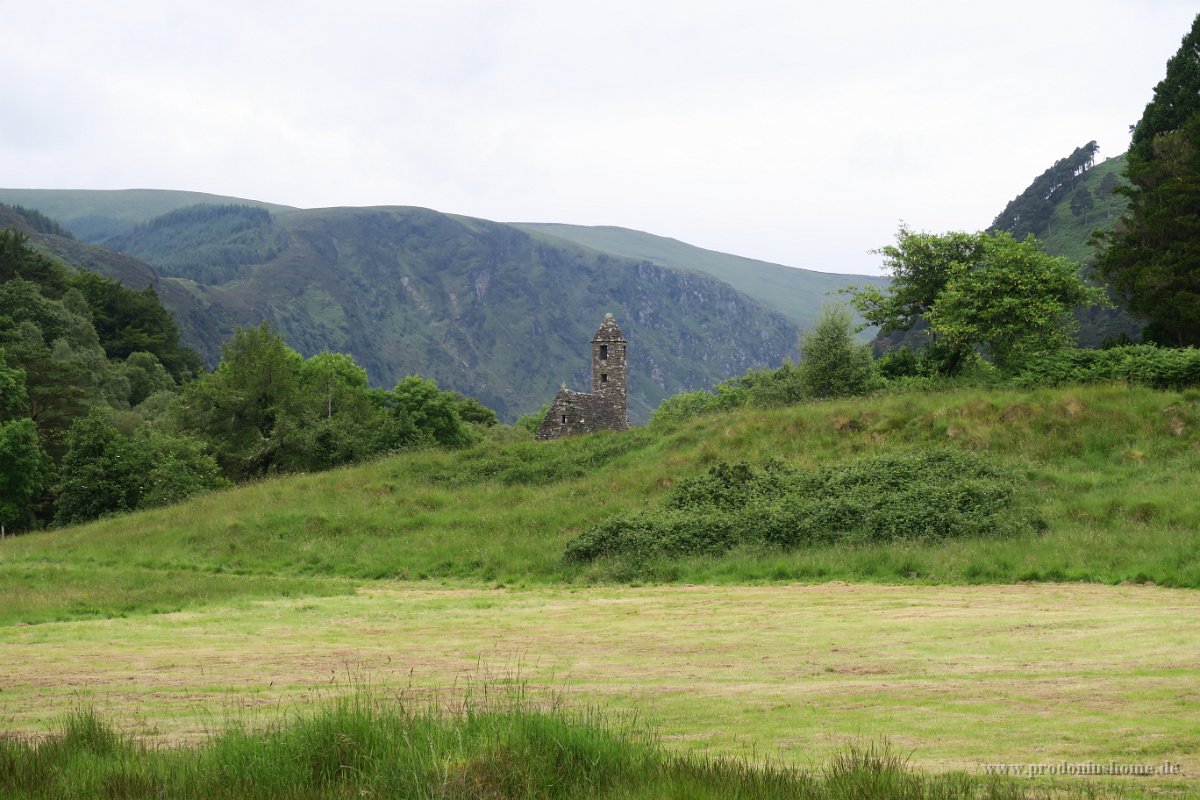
point(432, 570)
point(957, 676)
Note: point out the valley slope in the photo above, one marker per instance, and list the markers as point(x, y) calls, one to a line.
point(501, 312)
point(797, 294)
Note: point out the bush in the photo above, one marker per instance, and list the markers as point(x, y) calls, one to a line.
point(832, 363)
point(925, 495)
point(1145, 364)
point(686, 405)
point(532, 422)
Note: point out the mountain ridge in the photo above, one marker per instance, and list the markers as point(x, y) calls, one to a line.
point(795, 292)
point(480, 306)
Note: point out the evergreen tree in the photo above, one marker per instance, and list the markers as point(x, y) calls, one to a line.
point(1176, 98)
point(128, 322)
point(1152, 256)
point(1029, 214)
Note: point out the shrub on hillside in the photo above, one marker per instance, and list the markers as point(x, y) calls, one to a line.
point(1145, 364)
point(832, 363)
point(686, 405)
point(923, 495)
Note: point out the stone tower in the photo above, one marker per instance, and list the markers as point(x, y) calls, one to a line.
point(607, 405)
point(609, 379)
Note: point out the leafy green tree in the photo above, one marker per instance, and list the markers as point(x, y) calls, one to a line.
point(333, 381)
point(23, 301)
point(1015, 301)
point(146, 376)
point(832, 363)
point(919, 267)
point(24, 468)
point(177, 466)
point(977, 290)
point(475, 412)
point(340, 423)
point(23, 463)
point(102, 472)
point(57, 391)
point(532, 421)
point(13, 400)
point(432, 414)
point(248, 408)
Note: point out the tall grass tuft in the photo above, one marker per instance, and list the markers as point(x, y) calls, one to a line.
point(361, 747)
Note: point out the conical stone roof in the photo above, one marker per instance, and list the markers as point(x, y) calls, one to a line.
point(608, 331)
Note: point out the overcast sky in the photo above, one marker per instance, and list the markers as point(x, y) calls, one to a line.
point(795, 132)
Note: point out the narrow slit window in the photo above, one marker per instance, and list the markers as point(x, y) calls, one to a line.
point(604, 352)
point(604, 377)
point(564, 422)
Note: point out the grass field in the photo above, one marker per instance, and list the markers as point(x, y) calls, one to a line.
point(1111, 469)
point(432, 571)
point(958, 676)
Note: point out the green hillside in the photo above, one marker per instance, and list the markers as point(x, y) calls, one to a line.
point(1073, 221)
point(483, 308)
point(795, 293)
point(1067, 203)
point(1108, 468)
point(1063, 208)
point(94, 215)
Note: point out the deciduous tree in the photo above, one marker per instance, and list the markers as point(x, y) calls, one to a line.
point(977, 291)
point(1014, 300)
point(832, 363)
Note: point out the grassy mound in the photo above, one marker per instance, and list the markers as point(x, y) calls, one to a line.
point(923, 495)
point(1111, 468)
point(358, 749)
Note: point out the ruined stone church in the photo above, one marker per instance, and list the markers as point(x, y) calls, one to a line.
point(606, 407)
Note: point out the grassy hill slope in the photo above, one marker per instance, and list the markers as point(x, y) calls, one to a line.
point(1064, 222)
point(1109, 468)
point(1067, 233)
point(487, 309)
point(94, 215)
point(795, 293)
point(483, 308)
